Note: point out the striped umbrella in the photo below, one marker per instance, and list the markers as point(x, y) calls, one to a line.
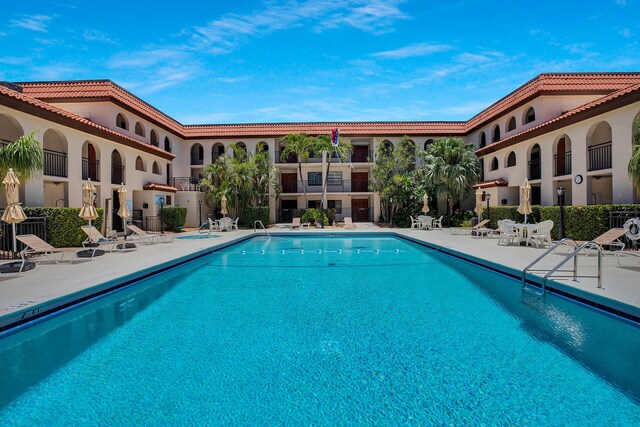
point(13, 214)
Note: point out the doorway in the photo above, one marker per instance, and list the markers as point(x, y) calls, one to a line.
point(360, 210)
point(116, 221)
point(287, 208)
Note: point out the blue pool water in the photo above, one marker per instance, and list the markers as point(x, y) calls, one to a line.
point(197, 237)
point(308, 330)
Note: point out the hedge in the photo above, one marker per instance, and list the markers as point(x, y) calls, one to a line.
point(63, 225)
point(174, 217)
point(306, 215)
point(254, 214)
point(580, 222)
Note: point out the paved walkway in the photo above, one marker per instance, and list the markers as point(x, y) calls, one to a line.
point(51, 285)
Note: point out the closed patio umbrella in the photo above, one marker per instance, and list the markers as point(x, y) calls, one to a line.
point(13, 214)
point(425, 206)
point(478, 208)
point(124, 211)
point(88, 211)
point(525, 199)
point(223, 205)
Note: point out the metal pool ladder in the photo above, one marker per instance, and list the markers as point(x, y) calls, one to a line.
point(574, 271)
point(257, 223)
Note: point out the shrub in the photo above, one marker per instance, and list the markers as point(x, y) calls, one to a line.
point(174, 217)
point(253, 214)
point(63, 225)
point(315, 215)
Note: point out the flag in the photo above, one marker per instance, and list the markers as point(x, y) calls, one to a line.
point(335, 134)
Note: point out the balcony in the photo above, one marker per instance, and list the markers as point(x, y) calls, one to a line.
point(196, 159)
point(562, 164)
point(55, 163)
point(184, 183)
point(90, 169)
point(535, 169)
point(337, 186)
point(360, 156)
point(599, 156)
point(117, 174)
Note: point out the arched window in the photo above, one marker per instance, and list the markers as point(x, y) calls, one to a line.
point(139, 164)
point(494, 164)
point(512, 124)
point(156, 168)
point(535, 167)
point(167, 144)
point(262, 147)
point(139, 129)
point(197, 154)
point(483, 139)
point(427, 143)
point(530, 116)
point(511, 159)
point(153, 138)
point(121, 122)
point(496, 134)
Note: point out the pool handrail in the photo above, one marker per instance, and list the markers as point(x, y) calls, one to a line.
point(528, 269)
point(255, 227)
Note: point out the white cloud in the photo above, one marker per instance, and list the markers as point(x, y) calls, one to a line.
point(14, 60)
point(34, 23)
point(472, 58)
point(232, 80)
point(420, 49)
point(626, 33)
point(92, 35)
point(621, 2)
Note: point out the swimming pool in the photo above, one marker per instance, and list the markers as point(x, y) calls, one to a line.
point(302, 330)
point(197, 237)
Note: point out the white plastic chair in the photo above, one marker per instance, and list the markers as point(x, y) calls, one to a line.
point(508, 234)
point(415, 223)
point(234, 224)
point(541, 235)
point(437, 223)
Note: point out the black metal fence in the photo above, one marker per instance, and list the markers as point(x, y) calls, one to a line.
point(55, 163)
point(184, 183)
point(32, 225)
point(152, 223)
point(91, 169)
point(355, 157)
point(337, 186)
point(117, 174)
point(562, 164)
point(599, 156)
point(535, 169)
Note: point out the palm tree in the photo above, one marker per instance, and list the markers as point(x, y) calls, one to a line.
point(24, 156)
point(633, 168)
point(451, 167)
point(301, 145)
point(342, 150)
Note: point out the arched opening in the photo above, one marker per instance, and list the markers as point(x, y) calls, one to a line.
point(90, 162)
point(117, 168)
point(496, 134)
point(535, 166)
point(54, 146)
point(511, 159)
point(512, 124)
point(153, 138)
point(139, 129)
point(494, 164)
point(10, 129)
point(241, 151)
point(197, 154)
point(483, 139)
point(167, 144)
point(121, 122)
point(217, 151)
point(140, 164)
point(262, 147)
point(427, 143)
point(599, 147)
point(562, 156)
point(529, 116)
point(156, 168)
point(387, 146)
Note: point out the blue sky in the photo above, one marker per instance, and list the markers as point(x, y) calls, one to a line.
point(316, 60)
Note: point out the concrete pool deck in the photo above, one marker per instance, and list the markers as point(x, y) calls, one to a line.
point(50, 285)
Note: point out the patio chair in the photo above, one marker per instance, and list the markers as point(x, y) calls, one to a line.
point(425, 222)
point(415, 223)
point(541, 235)
point(142, 236)
point(95, 238)
point(508, 234)
point(348, 223)
point(295, 223)
point(234, 224)
point(437, 223)
point(35, 246)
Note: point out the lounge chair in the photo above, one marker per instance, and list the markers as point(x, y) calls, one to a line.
point(95, 238)
point(469, 230)
point(142, 236)
point(480, 230)
point(295, 223)
point(348, 223)
point(209, 226)
point(35, 246)
point(611, 238)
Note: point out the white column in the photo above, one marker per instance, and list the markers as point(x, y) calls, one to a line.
point(547, 189)
point(579, 192)
point(621, 151)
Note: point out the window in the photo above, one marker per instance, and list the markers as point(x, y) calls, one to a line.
point(530, 116)
point(156, 169)
point(335, 204)
point(314, 178)
point(121, 122)
point(313, 204)
point(511, 159)
point(167, 144)
point(427, 143)
point(483, 139)
point(512, 124)
point(334, 178)
point(168, 199)
point(153, 137)
point(139, 164)
point(496, 134)
point(494, 164)
point(139, 129)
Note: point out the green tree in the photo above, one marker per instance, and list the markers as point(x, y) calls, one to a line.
point(451, 167)
point(633, 167)
point(342, 151)
point(391, 171)
point(301, 145)
point(24, 156)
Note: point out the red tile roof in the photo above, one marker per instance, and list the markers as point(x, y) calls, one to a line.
point(159, 187)
point(26, 103)
point(492, 183)
point(597, 106)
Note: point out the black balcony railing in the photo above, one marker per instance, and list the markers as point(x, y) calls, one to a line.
point(355, 157)
point(333, 186)
point(599, 156)
point(152, 223)
point(362, 156)
point(55, 163)
point(90, 169)
point(196, 159)
point(562, 164)
point(356, 214)
point(535, 169)
point(185, 183)
point(32, 225)
point(117, 174)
